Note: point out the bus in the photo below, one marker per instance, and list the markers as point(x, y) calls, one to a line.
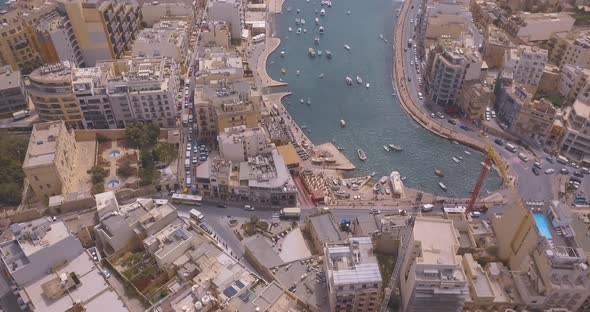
point(187, 199)
point(458, 209)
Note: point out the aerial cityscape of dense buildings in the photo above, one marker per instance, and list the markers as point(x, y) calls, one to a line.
point(228, 155)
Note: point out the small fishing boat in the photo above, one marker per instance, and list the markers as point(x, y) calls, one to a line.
point(282, 53)
point(455, 159)
point(342, 123)
point(316, 40)
point(290, 29)
point(311, 52)
point(308, 101)
point(386, 148)
point(361, 154)
point(347, 47)
point(321, 30)
point(297, 21)
point(347, 12)
point(329, 54)
point(467, 152)
point(297, 72)
point(368, 85)
point(348, 81)
point(403, 178)
point(439, 173)
point(301, 101)
point(455, 142)
point(298, 31)
point(321, 75)
point(319, 52)
point(359, 80)
point(298, 11)
point(322, 12)
point(442, 186)
point(373, 174)
point(394, 147)
point(340, 148)
point(317, 20)
point(381, 36)
point(329, 3)
point(289, 9)
point(283, 71)
point(460, 157)
point(302, 22)
point(304, 31)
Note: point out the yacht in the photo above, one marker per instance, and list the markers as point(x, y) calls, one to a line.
point(348, 81)
point(359, 80)
point(368, 85)
point(455, 159)
point(302, 22)
point(439, 173)
point(311, 52)
point(321, 75)
point(321, 30)
point(386, 148)
point(442, 186)
point(329, 54)
point(316, 40)
point(395, 148)
point(347, 47)
point(322, 12)
point(362, 155)
point(298, 31)
point(342, 123)
point(317, 21)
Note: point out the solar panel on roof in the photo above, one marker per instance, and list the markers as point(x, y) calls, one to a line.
point(240, 284)
point(230, 292)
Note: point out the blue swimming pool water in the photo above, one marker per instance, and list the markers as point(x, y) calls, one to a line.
point(114, 153)
point(543, 225)
point(112, 183)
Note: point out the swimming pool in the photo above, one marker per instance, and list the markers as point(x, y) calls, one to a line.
point(114, 153)
point(543, 225)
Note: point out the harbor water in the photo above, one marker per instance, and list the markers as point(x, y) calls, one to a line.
point(373, 115)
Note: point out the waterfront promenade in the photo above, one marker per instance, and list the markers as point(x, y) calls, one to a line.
point(412, 108)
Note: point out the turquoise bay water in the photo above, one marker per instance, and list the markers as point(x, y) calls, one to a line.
point(373, 116)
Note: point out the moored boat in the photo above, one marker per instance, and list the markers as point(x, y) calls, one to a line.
point(322, 12)
point(439, 173)
point(455, 159)
point(442, 186)
point(342, 123)
point(373, 174)
point(368, 85)
point(321, 75)
point(317, 21)
point(348, 81)
point(282, 53)
point(316, 40)
point(359, 80)
point(361, 154)
point(329, 54)
point(319, 52)
point(283, 71)
point(298, 72)
point(302, 22)
point(321, 30)
point(395, 147)
point(290, 29)
point(467, 152)
point(311, 52)
point(298, 31)
point(347, 47)
point(386, 148)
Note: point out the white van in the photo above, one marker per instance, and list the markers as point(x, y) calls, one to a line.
point(427, 207)
point(511, 147)
point(523, 157)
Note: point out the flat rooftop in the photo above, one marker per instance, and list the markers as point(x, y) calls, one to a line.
point(325, 227)
point(438, 240)
point(41, 233)
point(43, 143)
point(353, 262)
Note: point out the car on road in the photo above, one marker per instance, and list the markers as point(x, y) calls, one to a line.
point(195, 159)
point(537, 164)
point(536, 171)
point(550, 159)
point(578, 174)
point(440, 115)
point(574, 165)
point(452, 121)
point(106, 273)
point(420, 96)
point(499, 142)
point(248, 208)
point(464, 127)
point(432, 115)
point(188, 146)
point(475, 214)
point(220, 205)
point(549, 171)
point(585, 170)
point(564, 171)
point(374, 211)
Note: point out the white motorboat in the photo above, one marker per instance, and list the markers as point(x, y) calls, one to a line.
point(298, 11)
point(348, 81)
point(301, 101)
point(368, 85)
point(455, 159)
point(304, 30)
point(403, 178)
point(329, 3)
point(290, 29)
point(298, 72)
point(361, 154)
point(321, 75)
point(373, 174)
point(439, 173)
point(321, 30)
point(319, 52)
point(329, 54)
point(359, 80)
point(467, 152)
point(322, 12)
point(442, 186)
point(316, 40)
point(347, 12)
point(317, 21)
point(395, 148)
point(289, 9)
point(297, 21)
point(311, 52)
point(308, 101)
point(302, 22)
point(347, 47)
point(381, 36)
point(282, 53)
point(283, 71)
point(298, 31)
point(342, 123)
point(386, 148)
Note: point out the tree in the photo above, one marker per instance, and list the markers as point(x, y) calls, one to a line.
point(165, 152)
point(135, 134)
point(97, 176)
point(125, 170)
point(14, 149)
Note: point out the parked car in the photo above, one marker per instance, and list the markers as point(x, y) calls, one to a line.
point(549, 171)
point(374, 211)
point(452, 121)
point(248, 208)
point(440, 115)
point(564, 171)
point(550, 159)
point(475, 214)
point(537, 164)
point(106, 273)
point(536, 171)
point(499, 142)
point(464, 127)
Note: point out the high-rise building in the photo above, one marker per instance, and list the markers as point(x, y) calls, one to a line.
point(571, 48)
point(105, 29)
point(168, 38)
point(57, 41)
point(575, 142)
point(239, 143)
point(353, 276)
point(50, 89)
point(18, 45)
point(432, 278)
point(526, 63)
point(230, 11)
point(88, 85)
point(12, 97)
point(574, 83)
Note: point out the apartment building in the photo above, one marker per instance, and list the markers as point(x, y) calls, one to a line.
point(169, 244)
point(229, 11)
point(123, 227)
point(37, 247)
point(167, 38)
point(534, 27)
point(353, 276)
point(262, 179)
point(240, 143)
point(55, 162)
point(432, 277)
point(57, 41)
point(50, 90)
point(216, 34)
point(575, 142)
point(526, 63)
point(18, 44)
point(12, 96)
point(496, 44)
point(155, 11)
point(574, 84)
point(473, 99)
point(570, 48)
point(448, 66)
point(219, 64)
point(225, 105)
point(142, 89)
point(323, 229)
point(89, 88)
point(105, 29)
